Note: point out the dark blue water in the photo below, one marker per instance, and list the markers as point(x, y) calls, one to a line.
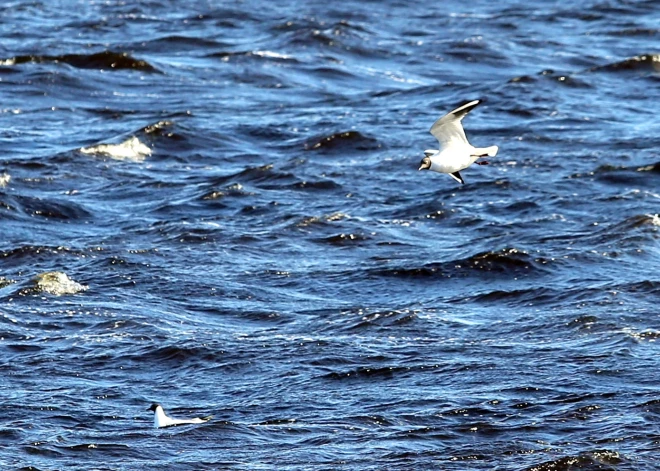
point(229, 194)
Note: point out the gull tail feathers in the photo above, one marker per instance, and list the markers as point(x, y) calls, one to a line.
point(485, 151)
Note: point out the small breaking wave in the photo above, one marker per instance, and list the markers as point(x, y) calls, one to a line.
point(131, 150)
point(57, 283)
point(266, 55)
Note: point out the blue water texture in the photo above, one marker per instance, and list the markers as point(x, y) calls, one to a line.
point(217, 206)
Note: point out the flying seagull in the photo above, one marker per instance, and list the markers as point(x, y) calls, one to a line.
point(161, 420)
point(455, 153)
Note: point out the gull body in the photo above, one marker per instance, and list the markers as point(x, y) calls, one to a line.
point(455, 153)
point(162, 420)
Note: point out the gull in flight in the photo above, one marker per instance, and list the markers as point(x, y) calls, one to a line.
point(162, 420)
point(455, 153)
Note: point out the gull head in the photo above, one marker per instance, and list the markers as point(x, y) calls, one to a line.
point(154, 406)
point(425, 164)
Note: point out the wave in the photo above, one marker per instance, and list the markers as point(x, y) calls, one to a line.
point(174, 356)
point(632, 32)
point(52, 208)
point(255, 175)
point(228, 191)
point(391, 371)
point(347, 36)
point(641, 63)
point(652, 405)
point(590, 461)
point(648, 287)
point(384, 372)
point(132, 149)
point(342, 141)
point(56, 283)
point(268, 178)
point(383, 319)
point(4, 282)
point(41, 251)
point(179, 42)
point(344, 239)
point(565, 79)
point(326, 184)
point(509, 262)
point(628, 234)
point(620, 174)
point(546, 296)
point(539, 296)
point(313, 220)
point(106, 60)
point(259, 55)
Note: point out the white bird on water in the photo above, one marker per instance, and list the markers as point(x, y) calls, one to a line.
point(162, 420)
point(455, 153)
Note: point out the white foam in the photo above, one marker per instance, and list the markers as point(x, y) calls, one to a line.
point(271, 55)
point(57, 283)
point(131, 149)
point(655, 219)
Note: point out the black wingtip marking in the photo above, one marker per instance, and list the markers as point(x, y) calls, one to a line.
point(458, 177)
point(465, 109)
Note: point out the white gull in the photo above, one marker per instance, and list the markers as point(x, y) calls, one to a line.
point(162, 420)
point(455, 153)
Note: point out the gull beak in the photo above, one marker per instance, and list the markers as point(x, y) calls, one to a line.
point(421, 167)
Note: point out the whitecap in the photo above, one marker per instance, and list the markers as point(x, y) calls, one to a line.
point(655, 219)
point(271, 55)
point(57, 283)
point(131, 149)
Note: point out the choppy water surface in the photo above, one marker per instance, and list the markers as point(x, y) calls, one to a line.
point(217, 207)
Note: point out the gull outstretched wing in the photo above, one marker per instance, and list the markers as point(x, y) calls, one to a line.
point(448, 130)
